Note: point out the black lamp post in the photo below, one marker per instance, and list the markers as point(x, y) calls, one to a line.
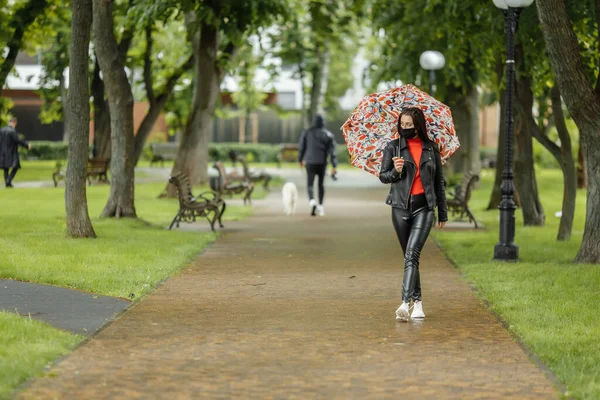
point(507, 249)
point(432, 61)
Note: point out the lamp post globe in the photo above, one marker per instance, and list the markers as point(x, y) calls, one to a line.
point(505, 4)
point(432, 61)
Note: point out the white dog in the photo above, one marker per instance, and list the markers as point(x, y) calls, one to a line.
point(289, 194)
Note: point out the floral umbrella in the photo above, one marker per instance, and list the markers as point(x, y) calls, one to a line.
point(374, 123)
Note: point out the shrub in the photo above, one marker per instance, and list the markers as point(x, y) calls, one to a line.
point(44, 150)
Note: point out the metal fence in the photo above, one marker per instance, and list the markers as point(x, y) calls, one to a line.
point(266, 127)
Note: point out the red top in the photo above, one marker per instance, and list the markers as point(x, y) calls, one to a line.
point(415, 146)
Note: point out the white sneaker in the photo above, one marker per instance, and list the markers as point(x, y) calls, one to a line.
point(402, 312)
point(313, 207)
point(320, 210)
point(418, 310)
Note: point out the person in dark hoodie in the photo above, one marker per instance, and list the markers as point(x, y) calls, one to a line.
point(316, 145)
point(9, 151)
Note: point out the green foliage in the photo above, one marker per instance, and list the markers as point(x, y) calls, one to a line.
point(43, 150)
point(249, 97)
point(314, 26)
point(5, 105)
point(469, 34)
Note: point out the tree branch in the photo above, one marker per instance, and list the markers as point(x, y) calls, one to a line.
point(559, 120)
point(126, 38)
point(538, 133)
point(229, 53)
point(22, 19)
point(148, 80)
point(549, 126)
point(172, 81)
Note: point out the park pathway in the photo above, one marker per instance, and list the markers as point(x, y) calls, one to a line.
point(302, 308)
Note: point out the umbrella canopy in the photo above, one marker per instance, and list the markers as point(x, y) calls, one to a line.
point(374, 123)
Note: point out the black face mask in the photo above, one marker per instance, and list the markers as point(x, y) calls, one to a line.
point(408, 133)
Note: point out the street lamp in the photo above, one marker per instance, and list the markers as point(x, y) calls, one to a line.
point(431, 61)
point(507, 249)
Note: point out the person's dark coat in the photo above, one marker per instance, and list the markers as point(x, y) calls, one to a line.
point(316, 144)
point(431, 175)
point(9, 148)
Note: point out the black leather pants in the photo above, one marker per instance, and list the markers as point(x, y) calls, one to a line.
point(413, 228)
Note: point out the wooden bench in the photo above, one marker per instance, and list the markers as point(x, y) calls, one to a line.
point(459, 202)
point(226, 187)
point(98, 168)
point(206, 205)
point(254, 177)
point(162, 152)
point(287, 152)
point(59, 173)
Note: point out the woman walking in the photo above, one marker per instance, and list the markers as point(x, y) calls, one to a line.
point(413, 166)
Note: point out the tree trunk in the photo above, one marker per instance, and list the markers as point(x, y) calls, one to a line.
point(565, 159)
point(525, 181)
point(205, 125)
point(145, 128)
point(22, 19)
point(305, 123)
point(584, 106)
point(101, 116)
point(496, 195)
point(78, 219)
point(121, 200)
point(473, 162)
point(191, 157)
point(319, 84)
point(465, 112)
point(462, 123)
point(567, 163)
point(582, 179)
point(64, 95)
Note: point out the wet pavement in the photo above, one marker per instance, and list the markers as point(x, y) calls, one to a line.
point(78, 312)
point(303, 308)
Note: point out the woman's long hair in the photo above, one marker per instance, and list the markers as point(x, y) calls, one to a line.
point(419, 120)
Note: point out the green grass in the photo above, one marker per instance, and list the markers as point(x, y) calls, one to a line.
point(36, 171)
point(26, 347)
point(549, 302)
point(128, 257)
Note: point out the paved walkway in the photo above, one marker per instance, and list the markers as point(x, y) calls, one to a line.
point(79, 312)
point(302, 308)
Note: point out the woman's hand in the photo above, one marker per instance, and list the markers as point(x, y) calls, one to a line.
point(398, 163)
point(441, 225)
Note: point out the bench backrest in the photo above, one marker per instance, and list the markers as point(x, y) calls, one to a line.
point(288, 151)
point(222, 176)
point(98, 164)
point(464, 191)
point(184, 188)
point(244, 163)
point(167, 150)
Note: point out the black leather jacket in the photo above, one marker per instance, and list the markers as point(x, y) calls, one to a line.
point(431, 175)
